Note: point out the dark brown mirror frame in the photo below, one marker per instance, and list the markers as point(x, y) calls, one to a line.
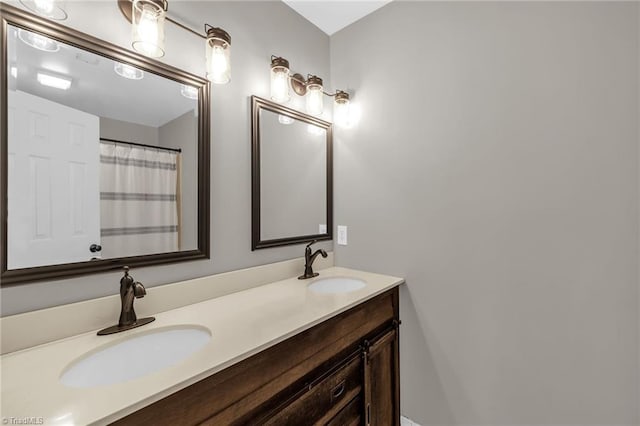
point(258, 104)
point(10, 15)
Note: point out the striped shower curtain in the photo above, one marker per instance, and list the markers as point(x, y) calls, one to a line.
point(139, 196)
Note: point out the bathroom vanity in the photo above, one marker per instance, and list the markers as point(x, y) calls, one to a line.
point(343, 371)
point(288, 352)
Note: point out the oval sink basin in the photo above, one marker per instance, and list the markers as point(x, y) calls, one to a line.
point(334, 285)
point(136, 356)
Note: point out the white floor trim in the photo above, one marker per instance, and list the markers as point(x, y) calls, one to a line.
point(404, 421)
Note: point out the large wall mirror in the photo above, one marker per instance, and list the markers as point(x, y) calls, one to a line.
point(105, 155)
point(292, 181)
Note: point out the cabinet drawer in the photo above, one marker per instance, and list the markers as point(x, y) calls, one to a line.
point(323, 400)
point(351, 415)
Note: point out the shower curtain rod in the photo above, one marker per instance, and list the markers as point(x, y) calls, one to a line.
point(142, 145)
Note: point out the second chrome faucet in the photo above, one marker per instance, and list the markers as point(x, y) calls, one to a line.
point(308, 261)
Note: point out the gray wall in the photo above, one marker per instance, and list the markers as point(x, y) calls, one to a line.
point(181, 133)
point(128, 132)
point(496, 168)
point(258, 30)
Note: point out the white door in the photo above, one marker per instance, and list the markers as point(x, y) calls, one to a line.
point(53, 183)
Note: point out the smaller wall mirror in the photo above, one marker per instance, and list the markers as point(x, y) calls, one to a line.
point(292, 176)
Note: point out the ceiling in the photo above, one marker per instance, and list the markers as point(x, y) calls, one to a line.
point(96, 88)
point(333, 15)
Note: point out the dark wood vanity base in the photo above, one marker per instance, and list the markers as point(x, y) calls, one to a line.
point(343, 371)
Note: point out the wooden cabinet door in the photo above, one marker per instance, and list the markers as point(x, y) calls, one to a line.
point(381, 380)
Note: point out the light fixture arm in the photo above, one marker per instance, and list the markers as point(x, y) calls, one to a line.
point(184, 27)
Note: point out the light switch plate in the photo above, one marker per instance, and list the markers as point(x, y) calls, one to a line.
point(322, 228)
point(342, 235)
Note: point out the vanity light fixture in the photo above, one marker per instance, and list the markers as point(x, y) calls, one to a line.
point(311, 87)
point(128, 71)
point(52, 9)
point(189, 92)
point(147, 18)
point(38, 41)
point(62, 83)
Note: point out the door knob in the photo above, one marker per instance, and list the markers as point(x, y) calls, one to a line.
point(93, 248)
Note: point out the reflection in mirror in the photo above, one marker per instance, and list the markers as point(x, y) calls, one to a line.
point(102, 156)
point(292, 176)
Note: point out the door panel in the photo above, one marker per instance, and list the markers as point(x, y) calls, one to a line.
point(54, 199)
point(41, 197)
point(381, 386)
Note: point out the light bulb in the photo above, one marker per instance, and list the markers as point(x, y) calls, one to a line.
point(148, 28)
point(314, 95)
point(279, 79)
point(280, 87)
point(147, 32)
point(341, 109)
point(218, 62)
point(341, 114)
point(218, 52)
point(314, 100)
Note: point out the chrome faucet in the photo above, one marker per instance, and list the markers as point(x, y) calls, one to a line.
point(129, 291)
point(308, 261)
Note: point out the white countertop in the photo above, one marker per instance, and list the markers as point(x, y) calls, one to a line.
point(242, 324)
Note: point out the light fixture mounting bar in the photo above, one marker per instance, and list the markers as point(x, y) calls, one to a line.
point(184, 27)
point(125, 8)
point(299, 83)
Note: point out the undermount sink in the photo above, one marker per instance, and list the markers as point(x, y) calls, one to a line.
point(334, 285)
point(136, 356)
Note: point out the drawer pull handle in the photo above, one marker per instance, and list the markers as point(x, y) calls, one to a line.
point(338, 391)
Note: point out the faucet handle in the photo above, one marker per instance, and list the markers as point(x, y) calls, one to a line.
point(139, 290)
point(311, 243)
point(126, 270)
